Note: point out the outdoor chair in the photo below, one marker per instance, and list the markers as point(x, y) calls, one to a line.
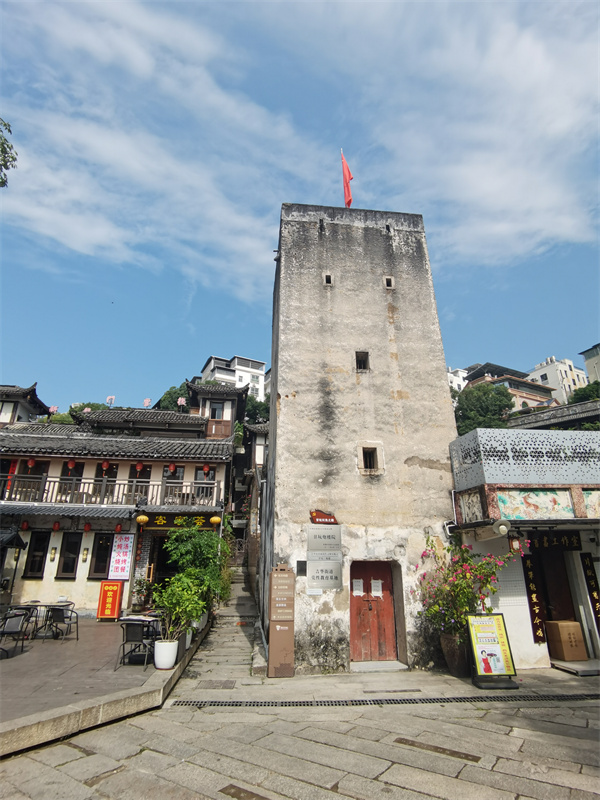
point(13, 626)
point(60, 620)
point(135, 634)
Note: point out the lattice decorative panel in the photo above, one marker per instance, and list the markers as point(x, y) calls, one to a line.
point(550, 458)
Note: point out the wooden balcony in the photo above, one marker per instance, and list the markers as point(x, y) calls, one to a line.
point(102, 491)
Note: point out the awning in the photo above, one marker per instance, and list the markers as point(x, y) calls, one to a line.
point(11, 539)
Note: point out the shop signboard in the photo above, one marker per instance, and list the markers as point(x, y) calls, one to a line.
point(492, 656)
point(109, 601)
point(120, 559)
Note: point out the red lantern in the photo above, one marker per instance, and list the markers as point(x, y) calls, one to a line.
point(105, 465)
point(31, 462)
point(118, 528)
point(206, 469)
point(139, 466)
point(56, 526)
point(172, 467)
point(87, 527)
point(71, 463)
point(24, 525)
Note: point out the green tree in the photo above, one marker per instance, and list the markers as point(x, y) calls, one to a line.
point(482, 406)
point(168, 402)
point(257, 410)
point(67, 419)
point(202, 554)
point(8, 154)
point(589, 392)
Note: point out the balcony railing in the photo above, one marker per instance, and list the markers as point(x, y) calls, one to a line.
point(103, 491)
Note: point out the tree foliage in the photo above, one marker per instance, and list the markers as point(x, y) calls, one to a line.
point(8, 154)
point(257, 410)
point(67, 419)
point(589, 392)
point(202, 554)
point(168, 402)
point(482, 406)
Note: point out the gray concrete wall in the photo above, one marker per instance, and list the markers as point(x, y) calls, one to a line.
point(324, 410)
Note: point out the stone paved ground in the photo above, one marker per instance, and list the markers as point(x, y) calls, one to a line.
point(546, 749)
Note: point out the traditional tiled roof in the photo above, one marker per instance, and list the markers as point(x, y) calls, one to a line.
point(44, 429)
point(95, 511)
point(77, 443)
point(257, 427)
point(19, 393)
point(217, 389)
point(138, 417)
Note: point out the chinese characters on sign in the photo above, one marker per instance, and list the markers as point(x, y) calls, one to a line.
point(537, 610)
point(490, 645)
point(324, 537)
point(554, 541)
point(109, 601)
point(591, 580)
point(120, 560)
point(324, 575)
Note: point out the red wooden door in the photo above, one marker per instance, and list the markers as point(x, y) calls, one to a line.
point(372, 622)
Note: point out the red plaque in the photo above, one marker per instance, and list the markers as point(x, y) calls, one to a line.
point(109, 602)
point(322, 518)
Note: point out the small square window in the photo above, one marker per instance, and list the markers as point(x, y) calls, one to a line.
point(369, 458)
point(388, 282)
point(362, 361)
point(327, 279)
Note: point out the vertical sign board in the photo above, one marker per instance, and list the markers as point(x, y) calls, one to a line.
point(281, 622)
point(491, 652)
point(324, 558)
point(120, 559)
point(109, 602)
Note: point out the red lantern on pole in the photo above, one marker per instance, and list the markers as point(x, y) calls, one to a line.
point(139, 467)
point(56, 526)
point(71, 463)
point(31, 462)
point(206, 469)
point(105, 465)
point(87, 527)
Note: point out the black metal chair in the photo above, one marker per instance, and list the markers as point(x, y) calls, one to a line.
point(14, 625)
point(57, 616)
point(136, 635)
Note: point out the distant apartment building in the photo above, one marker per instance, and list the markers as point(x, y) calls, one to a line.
point(526, 393)
point(592, 362)
point(236, 371)
point(457, 378)
point(561, 375)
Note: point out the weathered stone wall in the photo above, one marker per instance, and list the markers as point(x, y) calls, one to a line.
point(378, 299)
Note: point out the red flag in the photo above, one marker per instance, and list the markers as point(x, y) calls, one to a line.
point(347, 178)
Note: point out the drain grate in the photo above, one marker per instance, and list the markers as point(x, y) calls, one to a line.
point(389, 701)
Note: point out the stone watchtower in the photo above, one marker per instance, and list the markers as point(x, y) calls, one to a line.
point(361, 420)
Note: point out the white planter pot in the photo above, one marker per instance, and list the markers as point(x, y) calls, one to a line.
point(165, 654)
point(188, 638)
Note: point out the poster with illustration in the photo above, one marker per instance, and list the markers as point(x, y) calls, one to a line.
point(490, 644)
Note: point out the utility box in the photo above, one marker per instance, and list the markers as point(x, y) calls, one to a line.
point(565, 641)
point(281, 622)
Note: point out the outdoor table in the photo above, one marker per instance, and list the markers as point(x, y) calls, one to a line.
point(40, 629)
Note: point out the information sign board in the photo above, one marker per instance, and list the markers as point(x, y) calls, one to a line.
point(324, 537)
point(490, 645)
point(324, 574)
point(324, 555)
point(120, 559)
point(109, 601)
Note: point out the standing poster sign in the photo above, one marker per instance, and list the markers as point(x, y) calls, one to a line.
point(491, 652)
point(109, 601)
point(120, 560)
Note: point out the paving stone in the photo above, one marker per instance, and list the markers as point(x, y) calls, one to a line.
point(297, 790)
point(586, 770)
point(173, 747)
point(195, 777)
point(372, 734)
point(546, 774)
point(363, 789)
point(116, 741)
point(539, 747)
point(52, 784)
point(510, 783)
point(151, 724)
point(276, 762)
point(442, 785)
point(56, 755)
point(152, 761)
point(134, 785)
point(231, 767)
point(245, 733)
point(566, 740)
point(355, 761)
point(551, 715)
point(90, 767)
point(283, 726)
point(397, 754)
point(9, 791)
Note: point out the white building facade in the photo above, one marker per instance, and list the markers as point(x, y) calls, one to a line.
point(562, 375)
point(237, 371)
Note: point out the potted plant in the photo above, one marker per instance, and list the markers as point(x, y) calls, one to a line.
point(457, 583)
point(179, 602)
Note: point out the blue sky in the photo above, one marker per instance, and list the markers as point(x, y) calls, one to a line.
point(158, 140)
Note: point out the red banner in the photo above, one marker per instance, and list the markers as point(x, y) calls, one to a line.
point(109, 602)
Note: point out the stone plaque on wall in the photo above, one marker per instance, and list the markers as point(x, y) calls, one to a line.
point(324, 574)
point(324, 537)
